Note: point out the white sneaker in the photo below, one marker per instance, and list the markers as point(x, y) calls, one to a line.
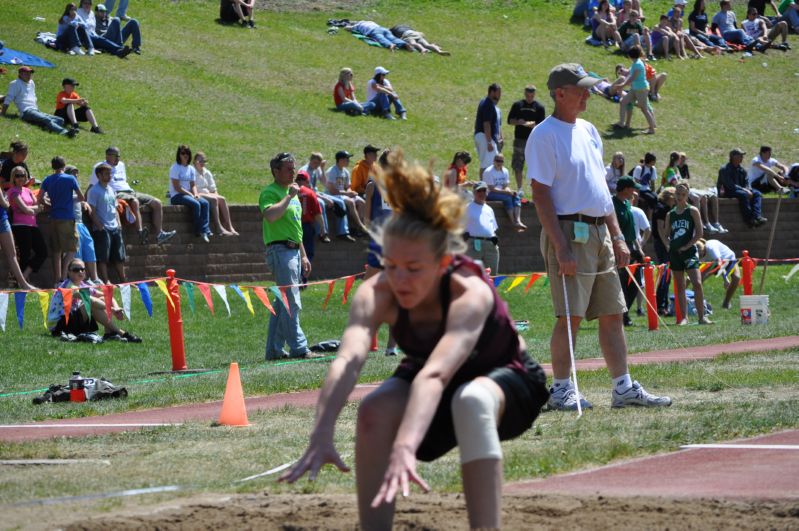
point(565, 399)
point(76, 51)
point(165, 235)
point(637, 396)
point(720, 228)
point(710, 229)
point(90, 52)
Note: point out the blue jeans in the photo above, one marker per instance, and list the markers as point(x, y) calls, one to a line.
point(123, 7)
point(286, 267)
point(508, 201)
point(52, 123)
point(382, 104)
point(710, 40)
point(105, 44)
point(791, 16)
point(350, 107)
point(68, 39)
point(343, 224)
point(737, 36)
point(119, 36)
point(750, 207)
point(199, 209)
point(386, 38)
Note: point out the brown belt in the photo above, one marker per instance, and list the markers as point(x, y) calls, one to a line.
point(591, 220)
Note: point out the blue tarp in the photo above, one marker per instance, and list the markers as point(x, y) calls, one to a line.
point(15, 57)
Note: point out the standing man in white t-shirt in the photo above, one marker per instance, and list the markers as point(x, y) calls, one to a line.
point(581, 240)
point(481, 230)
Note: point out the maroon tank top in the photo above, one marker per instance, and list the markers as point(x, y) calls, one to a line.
point(497, 346)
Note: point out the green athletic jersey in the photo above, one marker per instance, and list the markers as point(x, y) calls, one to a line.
point(682, 227)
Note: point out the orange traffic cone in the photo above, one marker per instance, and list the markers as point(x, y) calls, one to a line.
point(233, 411)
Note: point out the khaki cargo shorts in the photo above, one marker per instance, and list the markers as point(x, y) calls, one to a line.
point(595, 290)
point(63, 236)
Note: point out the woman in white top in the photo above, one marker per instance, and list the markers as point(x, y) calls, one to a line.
point(183, 191)
point(724, 257)
point(206, 186)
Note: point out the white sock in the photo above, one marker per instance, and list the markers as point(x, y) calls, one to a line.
point(622, 383)
point(559, 384)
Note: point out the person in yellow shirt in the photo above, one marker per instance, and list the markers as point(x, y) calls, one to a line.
point(364, 170)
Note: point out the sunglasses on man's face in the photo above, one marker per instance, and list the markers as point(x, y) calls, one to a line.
point(78, 269)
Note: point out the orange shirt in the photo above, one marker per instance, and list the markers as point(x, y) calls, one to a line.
point(462, 172)
point(59, 99)
point(360, 176)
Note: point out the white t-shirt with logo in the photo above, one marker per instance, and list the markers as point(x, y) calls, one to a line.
point(568, 158)
point(496, 178)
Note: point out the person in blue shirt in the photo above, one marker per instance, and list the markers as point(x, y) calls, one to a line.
point(639, 92)
point(58, 189)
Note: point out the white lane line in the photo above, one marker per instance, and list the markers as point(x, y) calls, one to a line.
point(135, 425)
point(27, 462)
point(267, 473)
point(744, 446)
point(119, 494)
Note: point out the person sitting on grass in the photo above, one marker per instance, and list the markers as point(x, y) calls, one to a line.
point(685, 229)
point(634, 33)
point(677, 26)
point(106, 226)
point(727, 24)
point(664, 39)
point(22, 93)
point(497, 179)
point(84, 320)
point(756, 28)
point(70, 107)
point(380, 92)
point(697, 22)
point(71, 35)
point(724, 257)
point(98, 42)
point(466, 381)
point(416, 40)
point(639, 93)
point(206, 187)
point(237, 11)
point(603, 25)
point(344, 96)
point(111, 28)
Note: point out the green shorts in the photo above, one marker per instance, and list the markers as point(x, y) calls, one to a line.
point(683, 261)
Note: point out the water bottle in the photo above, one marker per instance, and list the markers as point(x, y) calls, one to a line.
point(77, 393)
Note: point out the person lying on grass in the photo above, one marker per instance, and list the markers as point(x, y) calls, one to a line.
point(466, 379)
point(82, 321)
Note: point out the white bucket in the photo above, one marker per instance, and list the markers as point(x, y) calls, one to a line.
point(754, 309)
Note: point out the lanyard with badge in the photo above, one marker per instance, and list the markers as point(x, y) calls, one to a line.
point(580, 232)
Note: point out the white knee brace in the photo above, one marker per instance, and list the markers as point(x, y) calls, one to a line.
point(475, 408)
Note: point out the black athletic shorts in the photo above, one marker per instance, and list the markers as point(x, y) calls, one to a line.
point(79, 323)
point(80, 114)
point(525, 394)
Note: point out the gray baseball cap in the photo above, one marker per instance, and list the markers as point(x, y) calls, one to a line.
point(570, 74)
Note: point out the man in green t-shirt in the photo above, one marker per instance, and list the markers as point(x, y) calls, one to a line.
point(789, 10)
point(285, 257)
point(625, 189)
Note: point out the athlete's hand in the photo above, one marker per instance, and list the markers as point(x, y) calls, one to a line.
point(401, 471)
point(567, 265)
point(317, 455)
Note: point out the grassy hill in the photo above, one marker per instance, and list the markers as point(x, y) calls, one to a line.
point(242, 96)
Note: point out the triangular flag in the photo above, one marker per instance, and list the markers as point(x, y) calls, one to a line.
point(533, 278)
point(144, 291)
point(787, 277)
point(205, 289)
point(245, 295)
point(3, 310)
point(721, 268)
point(66, 298)
point(705, 266)
point(498, 280)
point(124, 294)
point(546, 280)
point(516, 282)
point(264, 298)
point(220, 290)
point(161, 283)
point(44, 303)
point(19, 302)
point(631, 269)
point(347, 287)
point(285, 298)
point(108, 297)
point(330, 286)
point(279, 297)
point(189, 287)
point(85, 296)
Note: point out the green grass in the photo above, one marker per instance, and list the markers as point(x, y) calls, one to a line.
point(36, 360)
point(242, 96)
point(759, 395)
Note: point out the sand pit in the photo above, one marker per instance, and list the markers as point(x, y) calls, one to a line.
point(338, 512)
